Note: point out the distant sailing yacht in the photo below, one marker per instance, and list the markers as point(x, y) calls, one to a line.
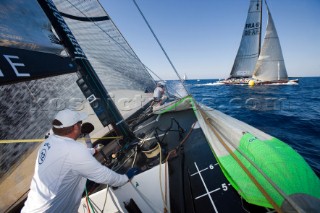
point(261, 65)
point(185, 77)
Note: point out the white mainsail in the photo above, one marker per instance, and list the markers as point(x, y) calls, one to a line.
point(114, 61)
point(39, 100)
point(249, 48)
point(270, 65)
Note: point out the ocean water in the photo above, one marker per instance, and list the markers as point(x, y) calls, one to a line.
point(290, 113)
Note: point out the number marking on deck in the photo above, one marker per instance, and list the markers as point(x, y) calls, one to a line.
point(205, 186)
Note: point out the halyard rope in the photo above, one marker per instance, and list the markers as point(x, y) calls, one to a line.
point(41, 140)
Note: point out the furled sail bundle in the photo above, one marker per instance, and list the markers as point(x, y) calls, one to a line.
point(264, 170)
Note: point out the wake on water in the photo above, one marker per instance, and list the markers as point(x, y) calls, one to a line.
point(219, 84)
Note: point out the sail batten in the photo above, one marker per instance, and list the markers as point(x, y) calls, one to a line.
point(90, 19)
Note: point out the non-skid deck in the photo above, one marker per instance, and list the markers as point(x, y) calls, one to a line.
point(196, 181)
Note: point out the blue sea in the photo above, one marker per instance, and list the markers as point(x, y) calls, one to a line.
point(290, 113)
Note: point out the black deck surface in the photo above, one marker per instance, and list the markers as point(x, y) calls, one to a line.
point(196, 181)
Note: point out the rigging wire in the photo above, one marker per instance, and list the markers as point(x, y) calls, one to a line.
point(173, 89)
point(114, 40)
point(105, 201)
point(163, 50)
point(132, 54)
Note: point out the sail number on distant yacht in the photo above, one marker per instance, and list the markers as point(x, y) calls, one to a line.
point(252, 29)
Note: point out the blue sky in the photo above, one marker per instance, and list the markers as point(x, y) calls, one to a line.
point(202, 36)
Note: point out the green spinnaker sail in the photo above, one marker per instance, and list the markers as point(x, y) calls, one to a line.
point(284, 176)
point(279, 162)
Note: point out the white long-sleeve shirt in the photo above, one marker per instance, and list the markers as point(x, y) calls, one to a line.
point(61, 170)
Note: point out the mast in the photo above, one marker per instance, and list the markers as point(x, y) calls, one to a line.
point(278, 70)
point(88, 81)
point(260, 31)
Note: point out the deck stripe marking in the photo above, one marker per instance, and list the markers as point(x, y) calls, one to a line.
point(209, 193)
point(199, 172)
point(205, 186)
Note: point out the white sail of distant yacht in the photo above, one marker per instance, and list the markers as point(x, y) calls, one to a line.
point(263, 65)
point(249, 48)
point(185, 77)
point(270, 65)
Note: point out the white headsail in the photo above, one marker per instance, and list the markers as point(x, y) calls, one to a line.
point(270, 65)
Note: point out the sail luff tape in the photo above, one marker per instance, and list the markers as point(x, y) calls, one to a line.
point(41, 140)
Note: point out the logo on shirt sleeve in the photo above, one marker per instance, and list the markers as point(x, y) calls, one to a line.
point(42, 156)
point(43, 153)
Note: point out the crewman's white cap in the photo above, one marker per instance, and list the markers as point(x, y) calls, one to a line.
point(69, 118)
point(161, 83)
